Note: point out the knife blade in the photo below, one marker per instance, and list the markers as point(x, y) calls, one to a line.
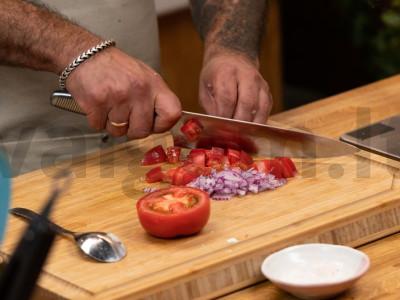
point(263, 140)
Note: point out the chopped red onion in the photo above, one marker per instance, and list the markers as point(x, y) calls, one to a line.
point(228, 183)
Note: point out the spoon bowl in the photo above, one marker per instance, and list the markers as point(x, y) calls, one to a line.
point(100, 246)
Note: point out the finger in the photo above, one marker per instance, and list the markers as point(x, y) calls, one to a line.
point(247, 105)
point(207, 100)
point(264, 107)
point(225, 94)
point(141, 118)
point(167, 111)
point(117, 116)
point(97, 118)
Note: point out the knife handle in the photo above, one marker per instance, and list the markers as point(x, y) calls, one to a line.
point(64, 100)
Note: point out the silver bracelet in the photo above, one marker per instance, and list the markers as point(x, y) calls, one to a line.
point(82, 58)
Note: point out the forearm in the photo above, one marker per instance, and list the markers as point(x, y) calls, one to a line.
point(233, 25)
point(34, 37)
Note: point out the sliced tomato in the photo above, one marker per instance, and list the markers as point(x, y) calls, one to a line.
point(173, 154)
point(169, 175)
point(173, 212)
point(215, 158)
point(192, 129)
point(233, 156)
point(154, 156)
point(245, 158)
point(184, 175)
point(259, 165)
point(288, 163)
point(197, 157)
point(274, 167)
point(288, 168)
point(155, 175)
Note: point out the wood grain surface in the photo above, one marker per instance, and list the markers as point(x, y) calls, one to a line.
point(346, 200)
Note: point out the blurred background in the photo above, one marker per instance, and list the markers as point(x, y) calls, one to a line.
point(312, 49)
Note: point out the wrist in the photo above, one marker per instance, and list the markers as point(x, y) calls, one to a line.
point(213, 51)
point(72, 50)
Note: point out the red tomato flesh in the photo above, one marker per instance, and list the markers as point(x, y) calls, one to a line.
point(173, 212)
point(173, 154)
point(197, 157)
point(155, 175)
point(192, 129)
point(155, 155)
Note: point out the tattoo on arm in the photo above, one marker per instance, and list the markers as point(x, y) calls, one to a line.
point(33, 36)
point(233, 24)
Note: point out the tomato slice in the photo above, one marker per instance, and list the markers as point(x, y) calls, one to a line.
point(173, 212)
point(184, 175)
point(288, 168)
point(192, 129)
point(173, 154)
point(154, 156)
point(197, 157)
point(288, 163)
point(215, 157)
point(155, 175)
point(245, 158)
point(233, 156)
point(274, 167)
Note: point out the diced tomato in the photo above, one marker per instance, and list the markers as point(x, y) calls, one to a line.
point(245, 158)
point(184, 175)
point(274, 167)
point(192, 129)
point(233, 156)
point(155, 175)
point(288, 167)
point(154, 156)
point(175, 211)
point(288, 162)
point(259, 165)
point(169, 175)
point(197, 157)
point(173, 154)
point(215, 158)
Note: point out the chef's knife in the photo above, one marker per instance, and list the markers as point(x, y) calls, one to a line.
point(263, 140)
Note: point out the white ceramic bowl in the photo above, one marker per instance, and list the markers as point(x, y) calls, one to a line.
point(315, 271)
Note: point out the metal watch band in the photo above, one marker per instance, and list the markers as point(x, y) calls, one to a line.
point(81, 58)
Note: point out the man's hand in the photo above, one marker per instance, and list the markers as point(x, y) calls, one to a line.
point(232, 87)
point(113, 87)
point(110, 86)
point(230, 83)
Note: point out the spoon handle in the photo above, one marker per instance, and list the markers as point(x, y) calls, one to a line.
point(30, 215)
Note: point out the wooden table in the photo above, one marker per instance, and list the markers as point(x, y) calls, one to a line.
point(332, 117)
point(341, 211)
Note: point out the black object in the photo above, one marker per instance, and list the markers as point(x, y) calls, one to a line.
point(19, 276)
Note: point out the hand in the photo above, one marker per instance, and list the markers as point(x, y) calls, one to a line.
point(232, 87)
point(114, 87)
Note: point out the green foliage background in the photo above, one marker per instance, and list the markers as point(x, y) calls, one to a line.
point(375, 30)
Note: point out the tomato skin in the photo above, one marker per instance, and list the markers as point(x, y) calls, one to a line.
point(274, 167)
point(181, 222)
point(192, 129)
point(155, 155)
point(197, 157)
point(233, 156)
point(245, 158)
point(173, 155)
point(288, 167)
point(155, 175)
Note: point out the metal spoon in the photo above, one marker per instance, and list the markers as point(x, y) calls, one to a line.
point(101, 246)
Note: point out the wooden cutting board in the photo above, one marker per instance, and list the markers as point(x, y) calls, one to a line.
point(331, 200)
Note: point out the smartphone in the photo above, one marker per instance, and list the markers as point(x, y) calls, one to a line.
point(382, 137)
